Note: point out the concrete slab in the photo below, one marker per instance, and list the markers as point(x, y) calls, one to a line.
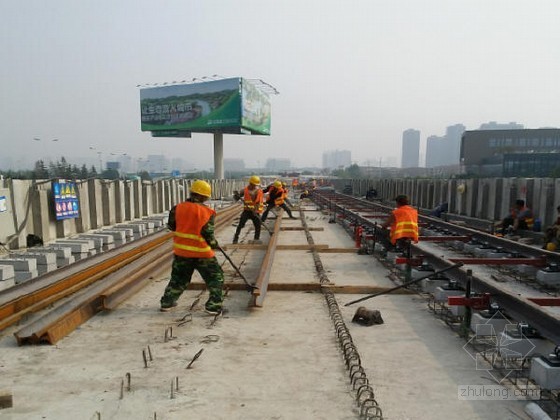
point(281, 361)
point(7, 283)
point(6, 272)
point(22, 276)
point(20, 264)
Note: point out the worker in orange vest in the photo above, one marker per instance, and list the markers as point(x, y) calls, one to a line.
point(275, 198)
point(193, 246)
point(403, 222)
point(252, 208)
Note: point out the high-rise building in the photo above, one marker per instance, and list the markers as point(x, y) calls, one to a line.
point(335, 159)
point(445, 150)
point(410, 148)
point(234, 165)
point(493, 125)
point(277, 164)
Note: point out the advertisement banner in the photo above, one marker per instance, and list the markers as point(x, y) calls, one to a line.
point(196, 107)
point(255, 111)
point(66, 203)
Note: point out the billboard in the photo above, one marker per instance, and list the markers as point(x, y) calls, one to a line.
point(66, 205)
point(233, 106)
point(255, 112)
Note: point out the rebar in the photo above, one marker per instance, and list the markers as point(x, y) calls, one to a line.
point(365, 397)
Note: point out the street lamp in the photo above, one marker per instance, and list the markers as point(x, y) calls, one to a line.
point(99, 155)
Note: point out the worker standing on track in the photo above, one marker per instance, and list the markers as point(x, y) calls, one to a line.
point(275, 199)
point(193, 246)
point(404, 224)
point(252, 208)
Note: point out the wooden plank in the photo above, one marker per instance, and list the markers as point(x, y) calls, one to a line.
point(6, 400)
point(302, 247)
point(299, 228)
point(309, 287)
point(338, 251)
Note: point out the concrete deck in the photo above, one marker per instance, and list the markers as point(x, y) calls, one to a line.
point(281, 361)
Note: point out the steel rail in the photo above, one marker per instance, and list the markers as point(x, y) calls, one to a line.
point(519, 307)
point(20, 301)
point(261, 284)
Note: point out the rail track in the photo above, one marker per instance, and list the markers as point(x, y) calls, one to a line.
point(442, 244)
point(96, 283)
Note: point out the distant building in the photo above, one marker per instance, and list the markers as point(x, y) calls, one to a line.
point(157, 164)
point(410, 156)
point(275, 165)
point(335, 159)
point(511, 153)
point(493, 125)
point(446, 150)
point(234, 165)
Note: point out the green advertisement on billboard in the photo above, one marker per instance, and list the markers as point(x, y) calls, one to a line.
point(255, 111)
point(233, 106)
point(192, 107)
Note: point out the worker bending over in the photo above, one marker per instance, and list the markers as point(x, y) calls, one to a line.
point(193, 246)
point(403, 222)
point(252, 208)
point(275, 198)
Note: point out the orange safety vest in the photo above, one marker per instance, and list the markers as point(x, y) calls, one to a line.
point(250, 204)
point(278, 201)
point(190, 218)
point(529, 221)
point(405, 224)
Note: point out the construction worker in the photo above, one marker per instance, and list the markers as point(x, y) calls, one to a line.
point(193, 246)
point(404, 224)
point(275, 198)
point(520, 218)
point(252, 208)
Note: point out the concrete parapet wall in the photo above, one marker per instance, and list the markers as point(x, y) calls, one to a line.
point(102, 203)
point(483, 198)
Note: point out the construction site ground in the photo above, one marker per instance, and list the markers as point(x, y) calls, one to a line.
point(281, 361)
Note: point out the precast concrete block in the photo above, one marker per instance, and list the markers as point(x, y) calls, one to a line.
point(97, 242)
point(105, 238)
point(61, 251)
point(78, 256)
point(430, 285)
point(20, 264)
point(42, 258)
point(6, 272)
point(46, 268)
point(546, 372)
point(484, 323)
point(441, 293)
point(148, 224)
point(548, 278)
point(64, 261)
point(77, 246)
point(5, 284)
point(23, 276)
point(128, 229)
point(119, 236)
point(158, 223)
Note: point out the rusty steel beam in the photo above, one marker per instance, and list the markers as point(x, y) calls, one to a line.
point(536, 262)
point(13, 310)
point(258, 295)
point(464, 238)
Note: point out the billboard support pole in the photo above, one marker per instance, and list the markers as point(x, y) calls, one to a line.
point(219, 155)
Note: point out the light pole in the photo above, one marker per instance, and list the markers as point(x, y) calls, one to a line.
point(99, 156)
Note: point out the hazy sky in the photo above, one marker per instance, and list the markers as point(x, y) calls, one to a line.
point(351, 74)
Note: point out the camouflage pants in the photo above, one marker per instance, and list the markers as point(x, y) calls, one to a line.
point(181, 274)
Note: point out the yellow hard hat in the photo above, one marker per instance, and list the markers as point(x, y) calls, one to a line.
point(255, 180)
point(277, 184)
point(201, 187)
point(551, 246)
